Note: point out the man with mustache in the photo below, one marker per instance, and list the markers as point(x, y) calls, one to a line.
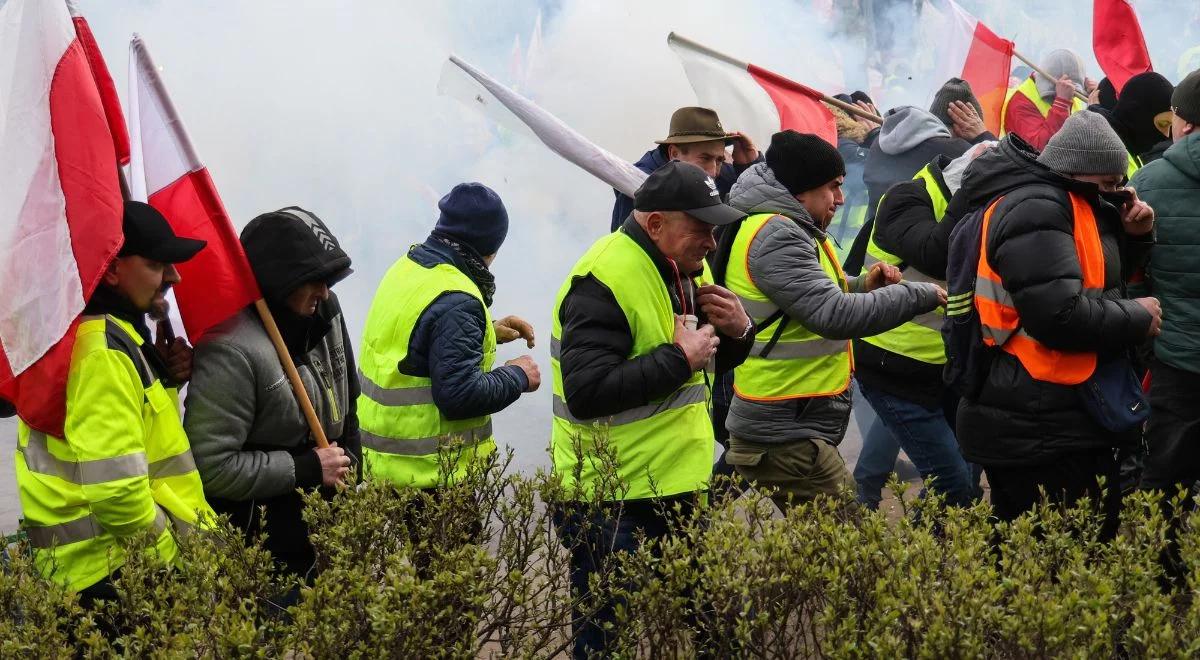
point(123, 466)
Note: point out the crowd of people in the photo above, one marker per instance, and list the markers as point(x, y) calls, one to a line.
point(1019, 307)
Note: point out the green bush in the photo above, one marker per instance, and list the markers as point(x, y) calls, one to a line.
point(477, 570)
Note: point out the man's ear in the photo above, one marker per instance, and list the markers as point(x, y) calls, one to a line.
point(110, 274)
point(673, 152)
point(654, 224)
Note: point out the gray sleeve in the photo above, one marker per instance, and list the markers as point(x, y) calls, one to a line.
point(784, 264)
point(220, 413)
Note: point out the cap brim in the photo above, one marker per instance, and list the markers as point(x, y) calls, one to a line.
point(175, 250)
point(689, 139)
point(717, 215)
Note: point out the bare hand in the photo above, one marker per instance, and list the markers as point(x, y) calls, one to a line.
point(882, 274)
point(723, 310)
point(510, 328)
point(744, 151)
point(176, 353)
point(698, 345)
point(532, 374)
point(941, 294)
point(867, 107)
point(1152, 305)
point(1094, 97)
point(1090, 85)
point(1137, 217)
point(335, 464)
point(1064, 88)
point(968, 125)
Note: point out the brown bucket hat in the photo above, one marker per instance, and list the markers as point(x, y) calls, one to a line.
point(694, 125)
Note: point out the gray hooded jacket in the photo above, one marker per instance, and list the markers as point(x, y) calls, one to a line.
point(785, 265)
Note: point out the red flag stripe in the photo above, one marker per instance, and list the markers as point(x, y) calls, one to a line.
point(800, 107)
point(108, 91)
point(218, 281)
point(1118, 42)
point(986, 68)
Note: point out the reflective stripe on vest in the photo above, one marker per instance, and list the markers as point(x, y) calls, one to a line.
point(1001, 323)
point(662, 448)
point(1029, 90)
point(75, 496)
point(403, 431)
point(799, 363)
point(921, 338)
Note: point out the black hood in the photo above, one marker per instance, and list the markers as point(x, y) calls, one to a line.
point(289, 247)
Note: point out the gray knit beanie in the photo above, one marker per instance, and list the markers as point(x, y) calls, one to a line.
point(1086, 144)
point(955, 89)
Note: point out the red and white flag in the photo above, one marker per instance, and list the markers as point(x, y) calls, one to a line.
point(1118, 42)
point(60, 198)
point(968, 49)
point(749, 98)
point(166, 172)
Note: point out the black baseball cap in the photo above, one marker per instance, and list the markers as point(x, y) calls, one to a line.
point(149, 235)
point(679, 186)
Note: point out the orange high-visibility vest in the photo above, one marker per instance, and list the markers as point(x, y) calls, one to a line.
point(1001, 324)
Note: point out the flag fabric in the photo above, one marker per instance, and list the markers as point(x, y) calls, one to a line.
point(166, 172)
point(968, 49)
point(104, 84)
point(505, 105)
point(752, 99)
point(1118, 42)
point(60, 199)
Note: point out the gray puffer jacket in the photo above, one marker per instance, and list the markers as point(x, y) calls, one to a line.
point(786, 266)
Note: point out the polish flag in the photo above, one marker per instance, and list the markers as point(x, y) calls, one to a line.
point(166, 172)
point(1118, 42)
point(60, 198)
point(751, 99)
point(968, 49)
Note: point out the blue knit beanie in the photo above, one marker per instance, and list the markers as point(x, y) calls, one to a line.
point(474, 214)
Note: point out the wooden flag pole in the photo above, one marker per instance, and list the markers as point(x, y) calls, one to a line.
point(289, 368)
point(852, 109)
point(1078, 94)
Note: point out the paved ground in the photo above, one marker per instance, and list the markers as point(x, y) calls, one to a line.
point(10, 506)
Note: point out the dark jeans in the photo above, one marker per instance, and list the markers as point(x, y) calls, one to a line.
point(929, 441)
point(1173, 434)
point(594, 536)
point(1067, 480)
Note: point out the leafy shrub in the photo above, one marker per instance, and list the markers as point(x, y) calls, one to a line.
point(477, 569)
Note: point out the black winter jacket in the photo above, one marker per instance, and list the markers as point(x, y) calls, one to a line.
point(1016, 419)
point(906, 227)
point(446, 346)
point(599, 377)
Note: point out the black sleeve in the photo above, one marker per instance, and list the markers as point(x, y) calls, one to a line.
point(599, 377)
point(461, 389)
point(351, 438)
point(905, 226)
point(871, 137)
point(1032, 247)
point(622, 207)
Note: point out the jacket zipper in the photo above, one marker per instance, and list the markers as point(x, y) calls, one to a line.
point(323, 381)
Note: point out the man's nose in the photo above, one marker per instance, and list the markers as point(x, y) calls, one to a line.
point(171, 275)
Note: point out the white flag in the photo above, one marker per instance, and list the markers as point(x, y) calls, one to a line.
point(492, 98)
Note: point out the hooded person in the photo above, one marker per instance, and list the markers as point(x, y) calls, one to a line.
point(909, 140)
point(1037, 108)
point(1141, 117)
point(792, 402)
point(1053, 311)
point(252, 444)
point(429, 380)
point(855, 137)
point(695, 136)
point(900, 371)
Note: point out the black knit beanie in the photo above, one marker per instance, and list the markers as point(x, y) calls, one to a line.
point(1108, 94)
point(802, 161)
point(955, 89)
